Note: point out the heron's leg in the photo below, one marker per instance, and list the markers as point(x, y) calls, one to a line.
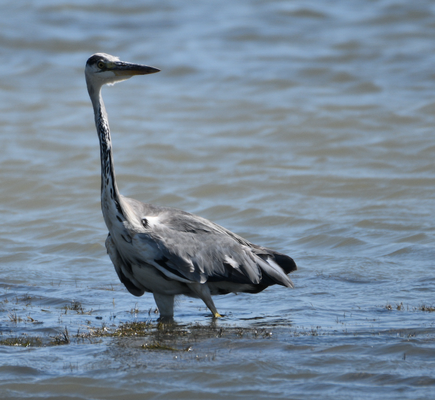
point(165, 304)
point(203, 292)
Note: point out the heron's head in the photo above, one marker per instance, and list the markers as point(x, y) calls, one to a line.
point(102, 69)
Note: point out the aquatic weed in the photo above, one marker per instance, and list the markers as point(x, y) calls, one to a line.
point(426, 308)
point(13, 317)
point(77, 307)
point(22, 341)
point(401, 307)
point(158, 346)
point(61, 339)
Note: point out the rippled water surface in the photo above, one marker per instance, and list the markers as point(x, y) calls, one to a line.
point(304, 126)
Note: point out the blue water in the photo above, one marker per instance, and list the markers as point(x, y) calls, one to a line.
point(303, 126)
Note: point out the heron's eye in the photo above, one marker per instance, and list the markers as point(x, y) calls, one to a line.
point(100, 65)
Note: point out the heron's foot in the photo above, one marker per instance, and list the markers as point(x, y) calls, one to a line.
point(217, 315)
point(166, 320)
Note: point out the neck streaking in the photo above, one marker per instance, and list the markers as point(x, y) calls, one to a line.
point(110, 196)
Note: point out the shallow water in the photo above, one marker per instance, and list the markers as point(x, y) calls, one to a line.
point(303, 126)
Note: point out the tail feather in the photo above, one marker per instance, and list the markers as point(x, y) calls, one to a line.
point(285, 262)
point(276, 267)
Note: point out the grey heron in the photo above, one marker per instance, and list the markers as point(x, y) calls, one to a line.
point(167, 251)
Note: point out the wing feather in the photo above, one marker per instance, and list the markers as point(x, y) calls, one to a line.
point(197, 250)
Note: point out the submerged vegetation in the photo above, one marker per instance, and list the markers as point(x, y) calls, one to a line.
point(401, 307)
point(22, 341)
point(27, 322)
point(149, 335)
point(75, 306)
point(427, 308)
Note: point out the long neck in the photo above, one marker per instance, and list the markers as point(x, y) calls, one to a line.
point(110, 196)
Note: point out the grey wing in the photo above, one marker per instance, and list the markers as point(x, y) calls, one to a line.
point(197, 250)
point(120, 267)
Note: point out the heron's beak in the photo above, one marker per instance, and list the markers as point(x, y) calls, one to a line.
point(128, 69)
